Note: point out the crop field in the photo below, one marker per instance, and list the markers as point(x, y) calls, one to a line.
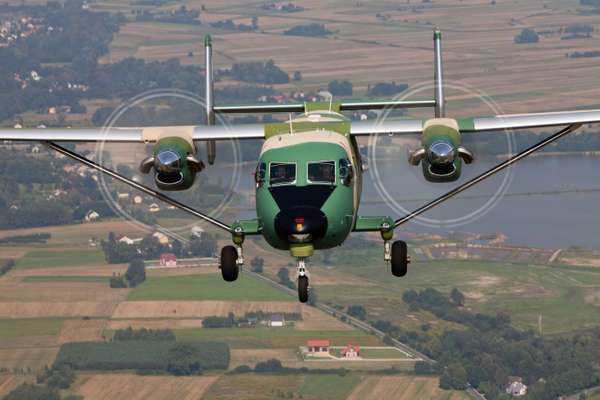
point(403, 388)
point(198, 309)
point(27, 358)
point(8, 383)
point(396, 47)
point(206, 287)
point(65, 278)
point(135, 387)
point(12, 330)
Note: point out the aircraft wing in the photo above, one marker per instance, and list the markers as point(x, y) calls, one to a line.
point(139, 134)
point(481, 124)
point(523, 121)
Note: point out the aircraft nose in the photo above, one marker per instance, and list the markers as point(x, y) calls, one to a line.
point(303, 224)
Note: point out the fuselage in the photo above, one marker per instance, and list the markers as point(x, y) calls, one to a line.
point(308, 183)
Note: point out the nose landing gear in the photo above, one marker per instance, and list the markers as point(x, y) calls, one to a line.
point(303, 287)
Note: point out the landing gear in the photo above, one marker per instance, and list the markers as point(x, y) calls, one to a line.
point(302, 281)
point(230, 267)
point(399, 257)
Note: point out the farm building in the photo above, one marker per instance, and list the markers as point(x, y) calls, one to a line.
point(276, 321)
point(161, 237)
point(351, 351)
point(168, 260)
point(153, 208)
point(316, 346)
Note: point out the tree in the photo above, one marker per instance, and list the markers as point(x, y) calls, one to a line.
point(136, 273)
point(457, 297)
point(297, 76)
point(454, 377)
point(284, 276)
point(340, 88)
point(117, 282)
point(527, 36)
point(357, 311)
point(28, 391)
point(257, 264)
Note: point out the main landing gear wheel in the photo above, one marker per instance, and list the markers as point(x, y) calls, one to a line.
point(400, 258)
point(229, 265)
point(303, 289)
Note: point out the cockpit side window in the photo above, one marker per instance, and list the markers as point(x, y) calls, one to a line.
point(282, 173)
point(322, 172)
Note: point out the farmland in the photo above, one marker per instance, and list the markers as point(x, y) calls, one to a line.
point(206, 287)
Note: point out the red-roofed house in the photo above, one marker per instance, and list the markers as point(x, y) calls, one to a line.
point(351, 351)
point(318, 346)
point(168, 260)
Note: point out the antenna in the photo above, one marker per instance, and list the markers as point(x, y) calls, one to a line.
point(440, 100)
point(211, 146)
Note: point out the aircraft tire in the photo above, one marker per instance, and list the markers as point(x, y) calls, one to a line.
point(399, 258)
point(229, 267)
point(303, 289)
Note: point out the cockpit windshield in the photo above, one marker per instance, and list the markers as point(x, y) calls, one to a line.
point(321, 172)
point(282, 173)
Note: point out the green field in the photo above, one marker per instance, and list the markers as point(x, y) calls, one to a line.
point(206, 287)
point(46, 258)
point(13, 329)
point(65, 278)
point(330, 387)
point(274, 337)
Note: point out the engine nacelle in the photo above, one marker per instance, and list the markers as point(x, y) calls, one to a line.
point(174, 163)
point(441, 154)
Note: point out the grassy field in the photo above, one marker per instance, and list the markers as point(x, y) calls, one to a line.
point(330, 387)
point(206, 287)
point(73, 257)
point(286, 337)
point(13, 329)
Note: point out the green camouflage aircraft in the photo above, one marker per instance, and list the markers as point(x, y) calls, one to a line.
point(309, 173)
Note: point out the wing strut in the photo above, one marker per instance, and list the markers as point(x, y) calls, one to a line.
point(137, 185)
point(486, 175)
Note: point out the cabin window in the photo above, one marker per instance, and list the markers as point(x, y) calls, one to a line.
point(282, 173)
point(321, 172)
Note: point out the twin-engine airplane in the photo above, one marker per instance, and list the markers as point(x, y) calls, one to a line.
point(309, 172)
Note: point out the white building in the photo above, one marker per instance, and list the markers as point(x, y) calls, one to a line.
point(277, 321)
point(162, 238)
point(153, 208)
point(91, 215)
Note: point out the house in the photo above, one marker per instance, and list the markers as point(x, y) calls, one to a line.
point(122, 196)
point(153, 208)
point(91, 215)
point(276, 321)
point(126, 240)
point(168, 260)
point(351, 351)
point(137, 200)
point(35, 149)
point(162, 238)
point(516, 387)
point(318, 346)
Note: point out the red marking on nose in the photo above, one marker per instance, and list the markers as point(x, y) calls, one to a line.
point(299, 220)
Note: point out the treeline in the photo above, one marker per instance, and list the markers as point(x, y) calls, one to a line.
point(7, 266)
point(150, 248)
point(147, 356)
point(584, 54)
point(258, 72)
point(308, 30)
point(38, 238)
point(274, 366)
point(178, 16)
point(386, 89)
